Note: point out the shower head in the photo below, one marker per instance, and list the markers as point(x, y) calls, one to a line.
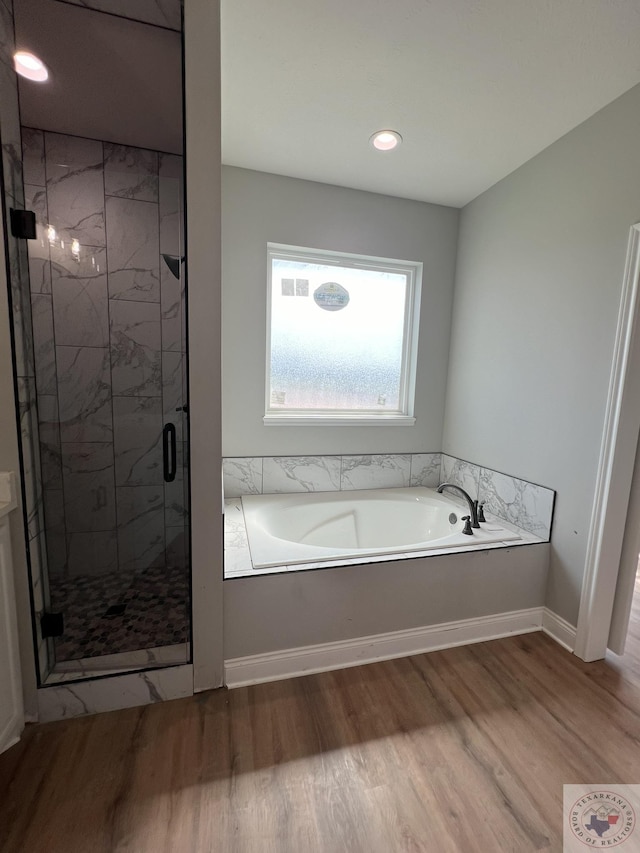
point(174, 263)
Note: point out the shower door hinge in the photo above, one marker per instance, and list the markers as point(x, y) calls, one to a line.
point(52, 624)
point(23, 224)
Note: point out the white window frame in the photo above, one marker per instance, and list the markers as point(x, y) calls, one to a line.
point(309, 417)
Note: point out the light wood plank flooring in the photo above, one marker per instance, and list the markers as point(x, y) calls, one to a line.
point(462, 750)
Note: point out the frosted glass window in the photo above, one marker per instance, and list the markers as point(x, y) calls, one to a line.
point(341, 337)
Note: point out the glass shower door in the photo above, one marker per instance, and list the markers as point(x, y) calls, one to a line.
point(108, 322)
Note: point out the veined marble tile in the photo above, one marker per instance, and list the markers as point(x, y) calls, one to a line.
point(281, 474)
point(237, 562)
point(80, 297)
point(172, 381)
point(39, 572)
point(43, 343)
point(38, 249)
point(49, 429)
point(133, 253)
point(21, 306)
point(84, 394)
point(172, 307)
point(524, 504)
point(120, 691)
point(141, 535)
point(242, 476)
point(38, 598)
point(185, 461)
point(43, 659)
point(56, 531)
point(12, 166)
point(170, 216)
point(183, 318)
point(33, 156)
point(176, 547)
point(75, 189)
point(235, 533)
point(175, 514)
point(138, 440)
point(130, 172)
point(89, 487)
point(161, 13)
point(119, 662)
point(29, 441)
point(377, 471)
point(425, 470)
point(94, 553)
point(460, 473)
point(180, 465)
point(170, 166)
point(135, 348)
point(172, 390)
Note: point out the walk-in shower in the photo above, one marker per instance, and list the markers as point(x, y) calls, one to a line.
point(99, 311)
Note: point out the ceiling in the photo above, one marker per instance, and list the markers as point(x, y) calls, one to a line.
point(475, 87)
point(111, 78)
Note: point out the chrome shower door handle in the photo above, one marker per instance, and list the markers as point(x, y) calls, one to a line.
point(169, 459)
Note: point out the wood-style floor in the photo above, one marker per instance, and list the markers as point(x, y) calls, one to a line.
point(462, 750)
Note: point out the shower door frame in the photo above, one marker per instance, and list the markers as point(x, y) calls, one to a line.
point(201, 86)
point(201, 78)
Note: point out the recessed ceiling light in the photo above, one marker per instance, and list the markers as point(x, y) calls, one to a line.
point(386, 140)
point(28, 65)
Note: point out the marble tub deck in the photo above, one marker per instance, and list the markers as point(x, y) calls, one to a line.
point(237, 556)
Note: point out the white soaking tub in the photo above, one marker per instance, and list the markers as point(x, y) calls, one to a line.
point(312, 527)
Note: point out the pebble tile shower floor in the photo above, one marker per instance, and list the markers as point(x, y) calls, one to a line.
point(155, 613)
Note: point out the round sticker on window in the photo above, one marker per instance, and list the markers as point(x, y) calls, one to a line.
point(331, 296)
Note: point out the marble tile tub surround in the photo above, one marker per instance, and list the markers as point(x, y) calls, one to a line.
point(255, 475)
point(110, 350)
point(519, 502)
point(523, 504)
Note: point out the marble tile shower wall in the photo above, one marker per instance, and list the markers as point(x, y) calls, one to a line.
point(524, 504)
point(18, 275)
point(109, 342)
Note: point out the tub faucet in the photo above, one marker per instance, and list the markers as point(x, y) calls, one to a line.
point(473, 505)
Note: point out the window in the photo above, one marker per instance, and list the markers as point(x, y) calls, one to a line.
point(342, 337)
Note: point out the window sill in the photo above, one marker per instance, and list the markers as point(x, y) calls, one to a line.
point(338, 420)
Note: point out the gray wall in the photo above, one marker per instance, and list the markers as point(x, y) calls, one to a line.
point(539, 275)
point(258, 208)
point(272, 612)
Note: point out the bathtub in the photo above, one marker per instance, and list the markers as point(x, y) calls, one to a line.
point(287, 529)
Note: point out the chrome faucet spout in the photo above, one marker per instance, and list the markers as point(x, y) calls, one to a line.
point(473, 505)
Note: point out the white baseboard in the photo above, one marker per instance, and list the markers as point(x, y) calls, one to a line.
point(305, 660)
point(559, 629)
